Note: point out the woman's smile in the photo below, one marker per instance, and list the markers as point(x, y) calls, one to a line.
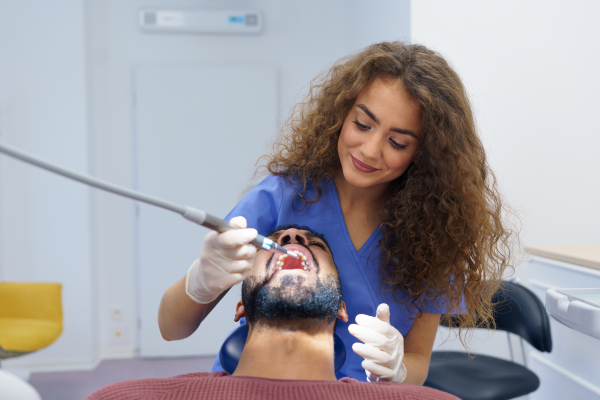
point(361, 166)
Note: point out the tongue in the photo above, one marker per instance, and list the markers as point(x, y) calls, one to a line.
point(292, 263)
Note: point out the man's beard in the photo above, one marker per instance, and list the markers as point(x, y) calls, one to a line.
point(291, 301)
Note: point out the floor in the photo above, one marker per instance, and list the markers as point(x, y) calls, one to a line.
point(76, 385)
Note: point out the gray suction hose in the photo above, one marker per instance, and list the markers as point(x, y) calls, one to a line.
point(192, 214)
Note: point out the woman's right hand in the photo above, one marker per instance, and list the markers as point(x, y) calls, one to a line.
point(224, 261)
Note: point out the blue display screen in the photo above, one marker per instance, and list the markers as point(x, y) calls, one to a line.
point(236, 19)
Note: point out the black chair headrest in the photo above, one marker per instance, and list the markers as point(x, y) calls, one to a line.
point(231, 351)
point(521, 312)
point(518, 310)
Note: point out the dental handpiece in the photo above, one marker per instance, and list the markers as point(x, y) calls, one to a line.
point(191, 214)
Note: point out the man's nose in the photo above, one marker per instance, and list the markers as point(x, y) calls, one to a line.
point(292, 236)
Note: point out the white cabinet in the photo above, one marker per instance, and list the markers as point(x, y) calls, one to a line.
point(572, 369)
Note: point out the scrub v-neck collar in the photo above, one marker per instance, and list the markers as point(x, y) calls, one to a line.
point(368, 245)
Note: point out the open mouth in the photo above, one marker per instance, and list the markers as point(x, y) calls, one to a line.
point(286, 262)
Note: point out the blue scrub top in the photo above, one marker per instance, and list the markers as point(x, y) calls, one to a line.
point(274, 202)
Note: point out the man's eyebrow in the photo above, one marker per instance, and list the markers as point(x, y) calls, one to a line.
point(311, 235)
point(275, 235)
point(374, 118)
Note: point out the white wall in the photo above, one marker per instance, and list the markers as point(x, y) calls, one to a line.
point(300, 39)
point(531, 68)
point(44, 219)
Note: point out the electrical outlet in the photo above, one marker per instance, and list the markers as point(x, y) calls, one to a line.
point(118, 334)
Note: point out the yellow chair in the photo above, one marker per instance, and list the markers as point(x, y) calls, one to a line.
point(30, 317)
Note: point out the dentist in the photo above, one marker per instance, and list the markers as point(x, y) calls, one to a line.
point(383, 158)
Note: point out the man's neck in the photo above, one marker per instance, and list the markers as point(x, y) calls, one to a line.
point(288, 354)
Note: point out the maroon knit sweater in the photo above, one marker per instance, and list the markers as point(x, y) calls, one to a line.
point(220, 386)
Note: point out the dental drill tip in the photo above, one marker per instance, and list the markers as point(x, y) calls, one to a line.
point(293, 255)
point(280, 249)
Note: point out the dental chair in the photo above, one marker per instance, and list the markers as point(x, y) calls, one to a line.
point(518, 311)
point(232, 348)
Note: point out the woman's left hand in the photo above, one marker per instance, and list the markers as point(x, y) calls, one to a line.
point(382, 347)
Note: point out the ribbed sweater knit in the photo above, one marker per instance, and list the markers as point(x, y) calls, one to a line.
point(221, 386)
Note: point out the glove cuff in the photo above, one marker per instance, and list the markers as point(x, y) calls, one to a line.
point(195, 298)
point(402, 372)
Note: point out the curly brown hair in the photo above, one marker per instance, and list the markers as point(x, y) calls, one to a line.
point(444, 233)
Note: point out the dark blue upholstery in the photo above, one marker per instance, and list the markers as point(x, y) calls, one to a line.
point(231, 351)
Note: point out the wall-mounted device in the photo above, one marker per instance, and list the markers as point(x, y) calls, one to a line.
point(201, 21)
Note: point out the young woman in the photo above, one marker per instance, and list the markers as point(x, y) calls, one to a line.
point(383, 158)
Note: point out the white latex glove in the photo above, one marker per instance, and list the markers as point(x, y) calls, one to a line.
point(383, 347)
point(224, 261)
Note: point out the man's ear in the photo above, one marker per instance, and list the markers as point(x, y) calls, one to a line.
point(240, 311)
point(342, 314)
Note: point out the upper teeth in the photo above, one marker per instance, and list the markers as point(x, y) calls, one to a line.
point(297, 253)
point(301, 256)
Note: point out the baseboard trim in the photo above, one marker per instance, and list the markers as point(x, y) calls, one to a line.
point(54, 365)
point(118, 353)
point(70, 364)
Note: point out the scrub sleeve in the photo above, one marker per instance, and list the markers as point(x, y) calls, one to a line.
point(275, 202)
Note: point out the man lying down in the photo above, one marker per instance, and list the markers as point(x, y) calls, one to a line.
point(291, 307)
